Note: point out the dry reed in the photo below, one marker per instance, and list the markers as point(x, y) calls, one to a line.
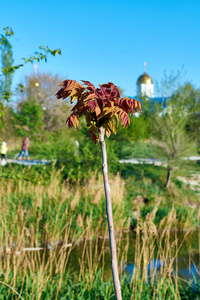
point(57, 216)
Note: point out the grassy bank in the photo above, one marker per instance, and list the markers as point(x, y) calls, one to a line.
point(41, 207)
point(44, 193)
point(44, 198)
point(69, 288)
point(51, 273)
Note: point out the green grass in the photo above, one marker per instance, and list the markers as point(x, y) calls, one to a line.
point(44, 208)
point(147, 181)
point(70, 288)
point(136, 150)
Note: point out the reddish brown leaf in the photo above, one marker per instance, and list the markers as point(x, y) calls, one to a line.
point(113, 90)
point(123, 116)
point(97, 110)
point(88, 118)
point(94, 137)
point(101, 106)
point(89, 85)
point(72, 120)
point(129, 105)
point(70, 88)
point(108, 133)
point(90, 96)
point(92, 104)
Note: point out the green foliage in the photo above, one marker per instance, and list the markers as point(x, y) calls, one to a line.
point(7, 121)
point(29, 118)
point(6, 62)
point(8, 31)
point(178, 183)
point(169, 132)
point(160, 214)
point(127, 139)
point(183, 214)
point(86, 158)
point(189, 100)
point(39, 56)
point(1, 110)
point(26, 177)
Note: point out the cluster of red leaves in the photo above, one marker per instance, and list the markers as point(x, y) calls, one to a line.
point(101, 106)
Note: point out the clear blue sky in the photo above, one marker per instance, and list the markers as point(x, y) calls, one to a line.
point(105, 41)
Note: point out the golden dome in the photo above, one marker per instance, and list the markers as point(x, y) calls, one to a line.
point(144, 78)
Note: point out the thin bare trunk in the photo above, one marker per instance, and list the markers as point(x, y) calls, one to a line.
point(113, 248)
point(169, 173)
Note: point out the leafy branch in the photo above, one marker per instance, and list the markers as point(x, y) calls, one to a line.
point(37, 57)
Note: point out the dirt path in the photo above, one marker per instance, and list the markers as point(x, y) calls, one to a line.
point(193, 181)
point(29, 162)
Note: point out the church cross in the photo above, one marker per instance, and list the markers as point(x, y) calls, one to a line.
point(35, 67)
point(145, 67)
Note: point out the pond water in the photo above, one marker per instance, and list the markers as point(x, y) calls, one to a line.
point(186, 264)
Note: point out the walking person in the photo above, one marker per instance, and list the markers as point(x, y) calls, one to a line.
point(4, 149)
point(24, 151)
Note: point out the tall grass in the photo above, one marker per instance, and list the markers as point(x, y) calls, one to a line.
point(48, 206)
point(63, 220)
point(50, 275)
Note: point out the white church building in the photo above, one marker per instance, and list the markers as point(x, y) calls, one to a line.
point(145, 85)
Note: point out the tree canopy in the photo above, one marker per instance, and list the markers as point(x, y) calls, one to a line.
point(101, 106)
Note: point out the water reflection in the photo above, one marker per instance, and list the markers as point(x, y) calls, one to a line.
point(155, 265)
point(186, 264)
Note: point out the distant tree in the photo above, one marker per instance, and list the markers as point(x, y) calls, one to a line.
point(29, 118)
point(189, 100)
point(170, 120)
point(103, 109)
point(7, 121)
point(6, 62)
point(169, 83)
point(169, 132)
point(41, 87)
point(137, 129)
point(7, 69)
